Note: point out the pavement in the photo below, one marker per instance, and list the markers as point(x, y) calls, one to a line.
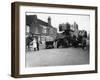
point(56, 57)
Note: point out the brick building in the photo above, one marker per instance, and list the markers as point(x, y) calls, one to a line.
point(39, 28)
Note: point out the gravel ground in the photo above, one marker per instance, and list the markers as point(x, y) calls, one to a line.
point(57, 57)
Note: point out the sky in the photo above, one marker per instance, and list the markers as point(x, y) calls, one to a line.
point(83, 21)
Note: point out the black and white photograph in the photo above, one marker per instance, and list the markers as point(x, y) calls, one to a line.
point(52, 39)
point(55, 39)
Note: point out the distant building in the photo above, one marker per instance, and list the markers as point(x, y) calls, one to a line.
point(68, 26)
point(69, 29)
point(76, 31)
point(40, 28)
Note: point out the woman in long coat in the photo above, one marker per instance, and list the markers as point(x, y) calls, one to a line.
point(34, 44)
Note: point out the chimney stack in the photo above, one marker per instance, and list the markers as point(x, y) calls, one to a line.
point(49, 21)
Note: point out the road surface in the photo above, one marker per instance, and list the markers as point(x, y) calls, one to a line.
point(56, 57)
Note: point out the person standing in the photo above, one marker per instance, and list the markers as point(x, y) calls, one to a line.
point(34, 44)
point(37, 45)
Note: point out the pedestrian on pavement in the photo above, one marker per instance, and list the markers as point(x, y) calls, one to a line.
point(34, 44)
point(37, 45)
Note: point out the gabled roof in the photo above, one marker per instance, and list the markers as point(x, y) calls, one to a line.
point(31, 18)
point(42, 22)
point(60, 36)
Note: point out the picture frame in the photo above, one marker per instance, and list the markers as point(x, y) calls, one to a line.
point(20, 12)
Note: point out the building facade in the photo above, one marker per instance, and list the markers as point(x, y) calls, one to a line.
point(39, 28)
point(69, 29)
